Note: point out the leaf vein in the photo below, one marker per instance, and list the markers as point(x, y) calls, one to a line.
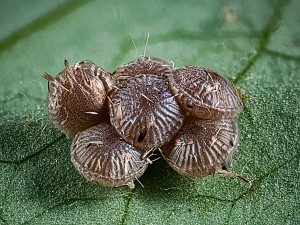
point(127, 201)
point(264, 39)
point(20, 161)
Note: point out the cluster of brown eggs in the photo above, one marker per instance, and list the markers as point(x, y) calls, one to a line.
point(116, 120)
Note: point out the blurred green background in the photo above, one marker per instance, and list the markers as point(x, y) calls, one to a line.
point(255, 44)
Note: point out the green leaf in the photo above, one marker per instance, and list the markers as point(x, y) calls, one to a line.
point(255, 44)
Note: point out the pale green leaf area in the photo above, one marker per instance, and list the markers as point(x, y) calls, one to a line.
point(255, 44)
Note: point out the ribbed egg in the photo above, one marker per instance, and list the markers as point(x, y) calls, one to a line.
point(201, 146)
point(144, 112)
point(101, 156)
point(204, 94)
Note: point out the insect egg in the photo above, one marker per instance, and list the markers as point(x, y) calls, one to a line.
point(142, 65)
point(144, 112)
point(101, 156)
point(201, 146)
point(77, 97)
point(204, 93)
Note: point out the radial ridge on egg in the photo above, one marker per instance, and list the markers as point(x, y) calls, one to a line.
point(204, 93)
point(144, 112)
point(101, 156)
point(201, 146)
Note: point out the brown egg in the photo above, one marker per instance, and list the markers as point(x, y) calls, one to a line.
point(144, 112)
point(142, 65)
point(101, 156)
point(204, 94)
point(77, 97)
point(201, 146)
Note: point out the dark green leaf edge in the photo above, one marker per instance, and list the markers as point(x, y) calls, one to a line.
point(41, 22)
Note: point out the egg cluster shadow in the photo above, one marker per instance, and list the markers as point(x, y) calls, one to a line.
point(117, 120)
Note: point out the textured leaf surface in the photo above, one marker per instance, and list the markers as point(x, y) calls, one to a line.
point(255, 44)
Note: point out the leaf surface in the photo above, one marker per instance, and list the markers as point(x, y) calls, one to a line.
point(254, 44)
